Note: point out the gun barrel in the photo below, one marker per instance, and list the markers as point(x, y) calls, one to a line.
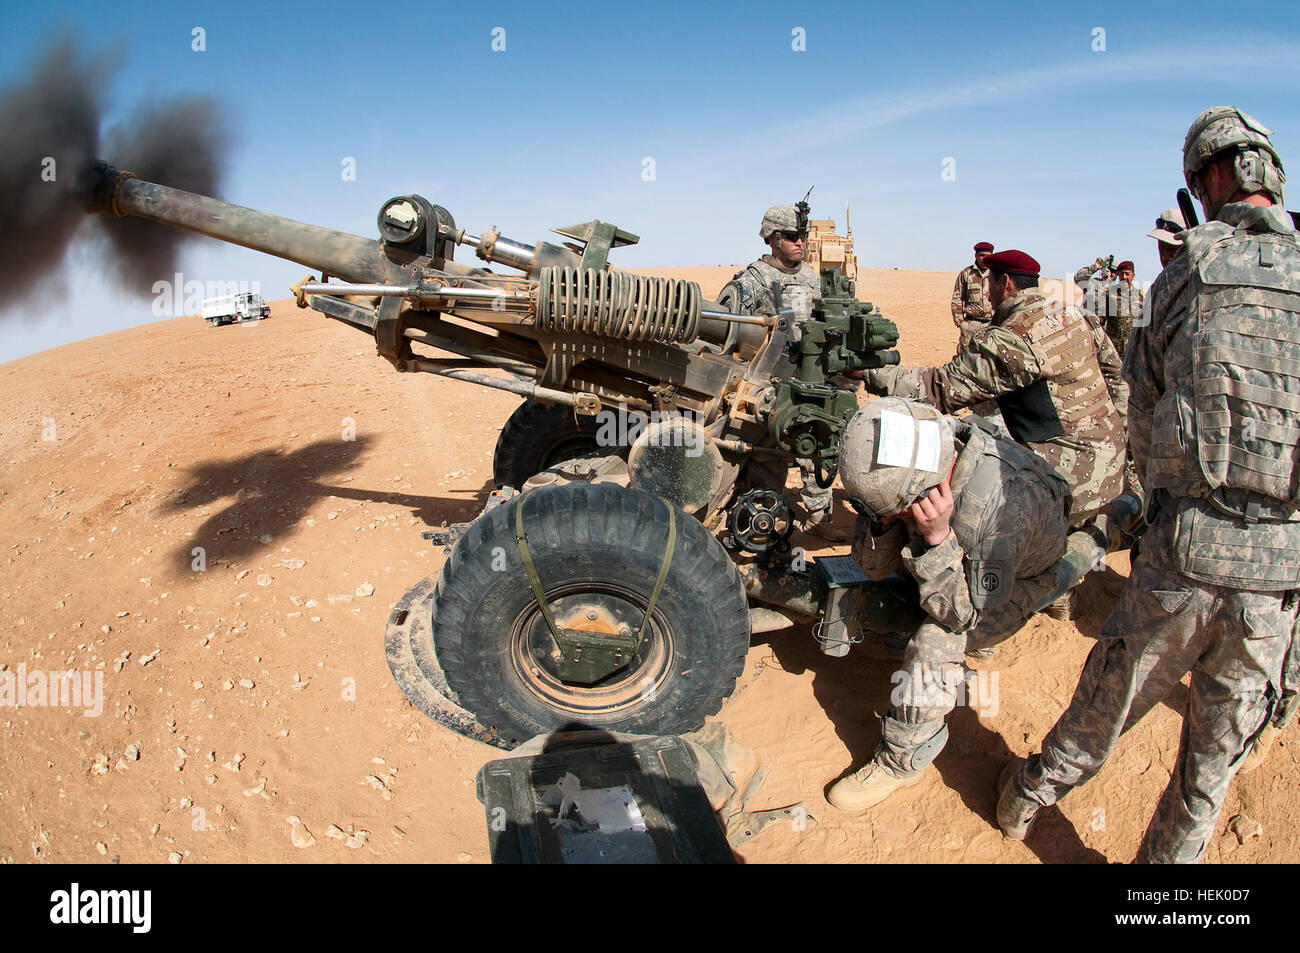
point(337, 253)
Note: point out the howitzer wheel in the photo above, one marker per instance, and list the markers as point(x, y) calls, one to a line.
point(598, 551)
point(537, 436)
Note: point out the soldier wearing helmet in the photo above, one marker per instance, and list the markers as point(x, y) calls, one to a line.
point(785, 231)
point(1213, 425)
point(755, 290)
point(977, 523)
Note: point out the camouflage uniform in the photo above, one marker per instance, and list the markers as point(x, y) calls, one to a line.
point(977, 587)
point(1121, 305)
point(1056, 381)
point(799, 288)
point(971, 310)
point(1211, 593)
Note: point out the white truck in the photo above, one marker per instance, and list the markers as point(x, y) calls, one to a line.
point(228, 309)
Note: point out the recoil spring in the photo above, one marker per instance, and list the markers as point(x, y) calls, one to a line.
point(617, 304)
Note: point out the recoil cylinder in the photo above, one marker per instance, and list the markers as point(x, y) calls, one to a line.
point(617, 304)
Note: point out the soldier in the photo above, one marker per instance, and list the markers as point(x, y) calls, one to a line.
point(1213, 429)
point(1168, 227)
point(785, 231)
point(971, 310)
point(752, 291)
point(979, 522)
point(1123, 306)
point(1055, 380)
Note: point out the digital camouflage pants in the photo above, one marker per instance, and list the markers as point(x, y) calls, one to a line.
point(1233, 642)
point(927, 686)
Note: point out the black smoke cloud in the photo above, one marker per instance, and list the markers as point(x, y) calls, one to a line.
point(50, 135)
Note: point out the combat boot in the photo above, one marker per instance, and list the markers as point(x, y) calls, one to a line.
point(867, 787)
point(819, 524)
point(1015, 812)
point(1061, 609)
point(1260, 749)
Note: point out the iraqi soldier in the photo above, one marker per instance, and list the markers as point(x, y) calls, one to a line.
point(1055, 381)
point(971, 310)
point(1213, 424)
point(1123, 306)
point(978, 522)
point(1169, 226)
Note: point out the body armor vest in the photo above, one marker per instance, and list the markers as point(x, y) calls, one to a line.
point(1244, 293)
point(1071, 392)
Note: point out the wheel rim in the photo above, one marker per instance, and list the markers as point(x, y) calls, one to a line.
point(534, 655)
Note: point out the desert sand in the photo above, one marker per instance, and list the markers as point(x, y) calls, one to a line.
point(254, 689)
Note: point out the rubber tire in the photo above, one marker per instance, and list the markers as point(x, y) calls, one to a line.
point(537, 436)
point(598, 533)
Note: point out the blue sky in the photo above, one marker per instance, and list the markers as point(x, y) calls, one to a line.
point(1058, 149)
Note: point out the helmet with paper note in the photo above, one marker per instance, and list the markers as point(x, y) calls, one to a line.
point(893, 452)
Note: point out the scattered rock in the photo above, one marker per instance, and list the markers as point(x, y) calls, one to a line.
point(246, 683)
point(294, 563)
point(1245, 827)
point(299, 835)
point(337, 597)
point(255, 790)
point(146, 659)
point(242, 573)
point(265, 579)
point(365, 589)
point(132, 753)
point(175, 857)
point(102, 848)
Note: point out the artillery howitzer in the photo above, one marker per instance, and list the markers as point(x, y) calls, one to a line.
point(607, 582)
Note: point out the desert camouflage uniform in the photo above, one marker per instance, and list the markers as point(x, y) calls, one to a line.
point(1121, 305)
point(1210, 594)
point(971, 310)
point(1051, 372)
point(977, 587)
point(798, 291)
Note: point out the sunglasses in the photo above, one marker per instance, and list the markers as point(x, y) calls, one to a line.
point(1170, 226)
point(794, 236)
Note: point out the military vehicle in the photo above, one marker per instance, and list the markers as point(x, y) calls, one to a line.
point(611, 581)
point(825, 249)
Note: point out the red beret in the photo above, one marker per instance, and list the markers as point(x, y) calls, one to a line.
point(984, 246)
point(1012, 262)
point(1124, 264)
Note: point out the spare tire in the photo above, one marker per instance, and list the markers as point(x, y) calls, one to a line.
point(598, 550)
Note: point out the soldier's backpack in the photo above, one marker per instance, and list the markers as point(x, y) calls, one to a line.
point(1245, 302)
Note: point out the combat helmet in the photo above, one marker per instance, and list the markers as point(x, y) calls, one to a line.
point(1226, 130)
point(893, 452)
point(779, 218)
